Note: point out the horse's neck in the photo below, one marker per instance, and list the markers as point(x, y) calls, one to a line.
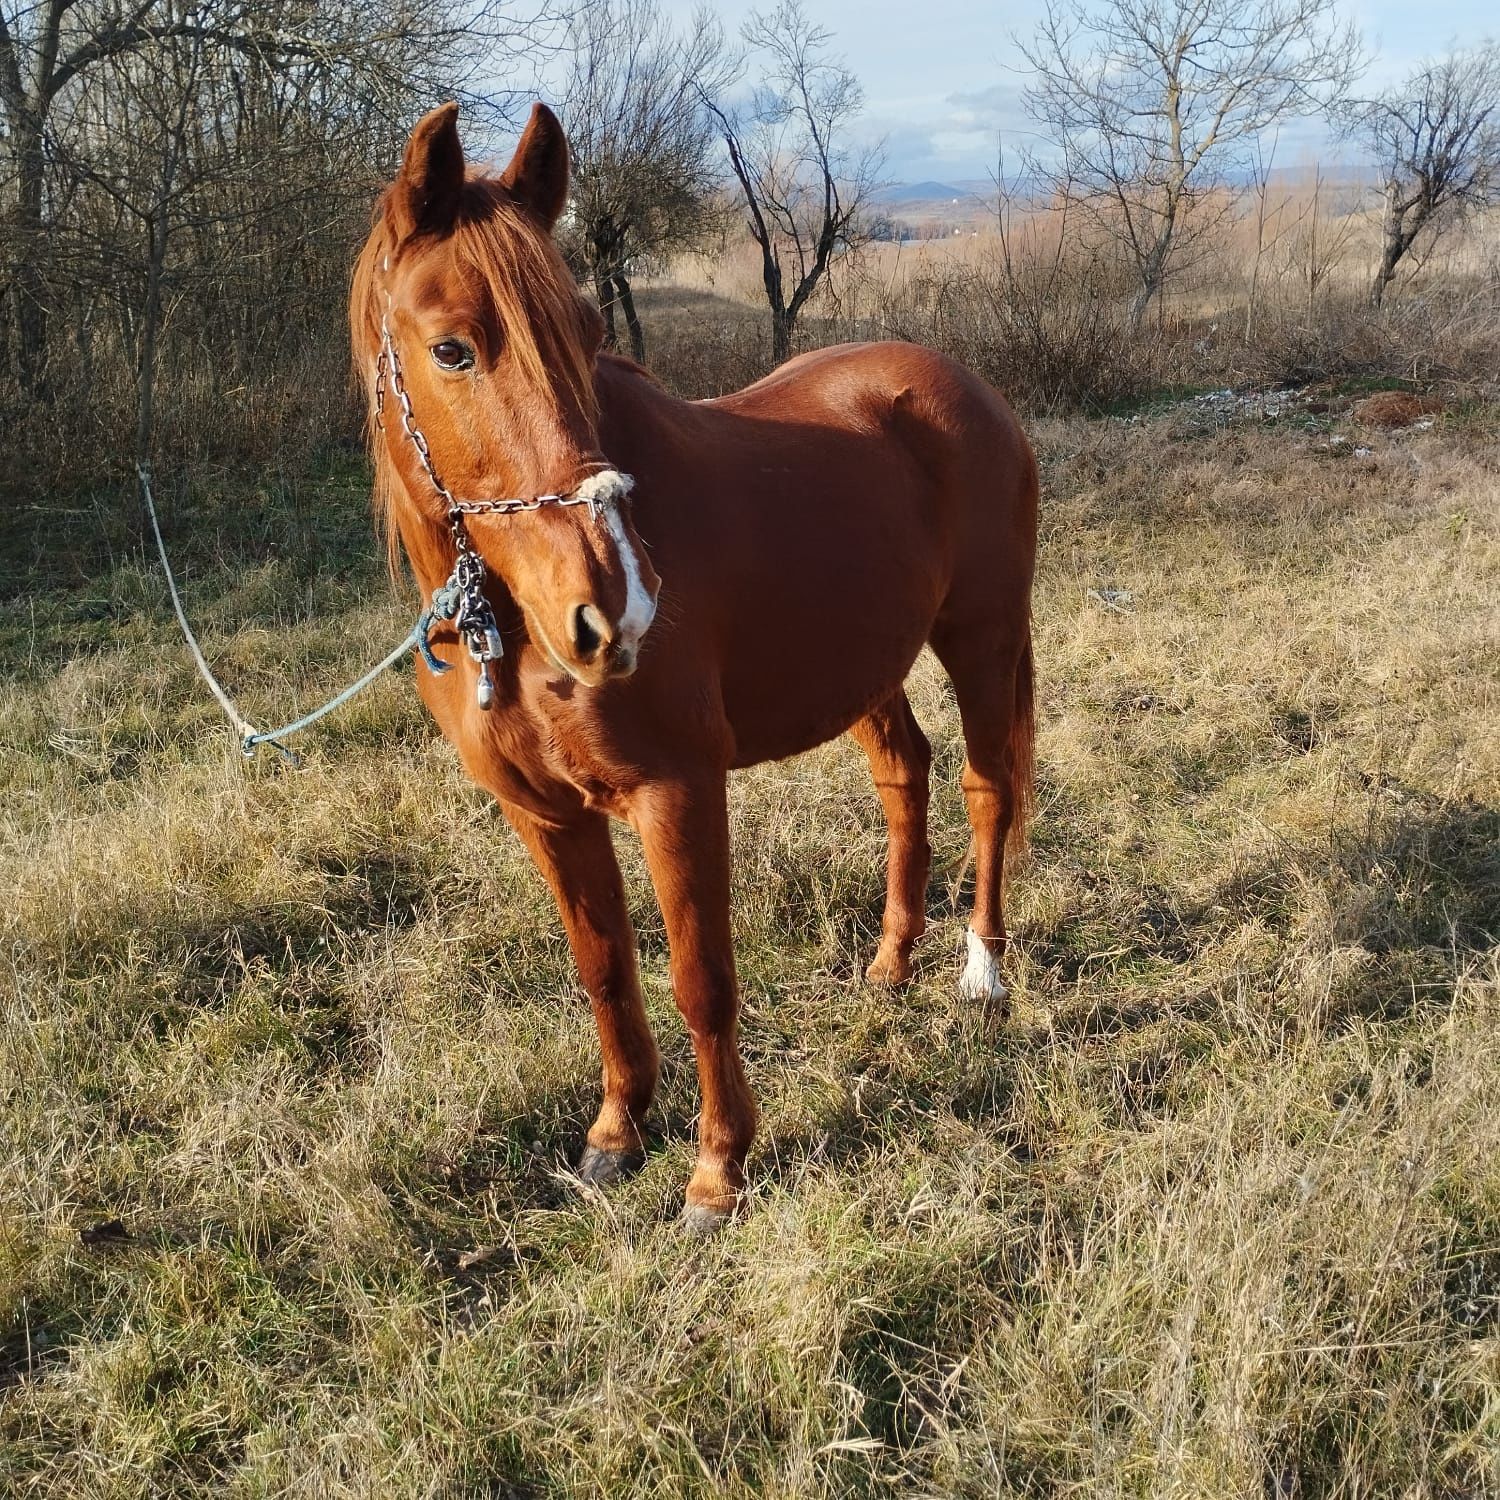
point(630, 401)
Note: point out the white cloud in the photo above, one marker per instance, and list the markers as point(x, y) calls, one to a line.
point(942, 79)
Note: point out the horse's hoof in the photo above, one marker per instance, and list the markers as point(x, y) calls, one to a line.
point(700, 1221)
point(601, 1168)
point(889, 970)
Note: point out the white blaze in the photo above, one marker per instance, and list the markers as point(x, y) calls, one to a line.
point(605, 489)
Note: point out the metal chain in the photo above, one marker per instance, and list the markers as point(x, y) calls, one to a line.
point(511, 507)
point(415, 435)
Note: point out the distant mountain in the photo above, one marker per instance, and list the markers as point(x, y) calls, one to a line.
point(919, 192)
point(969, 193)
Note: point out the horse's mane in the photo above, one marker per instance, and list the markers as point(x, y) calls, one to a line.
point(517, 267)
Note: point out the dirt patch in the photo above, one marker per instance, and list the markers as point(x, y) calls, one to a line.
point(1395, 409)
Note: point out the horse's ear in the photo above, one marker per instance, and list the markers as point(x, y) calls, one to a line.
point(425, 196)
point(537, 176)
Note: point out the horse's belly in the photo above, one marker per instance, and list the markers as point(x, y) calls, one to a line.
point(831, 632)
point(805, 698)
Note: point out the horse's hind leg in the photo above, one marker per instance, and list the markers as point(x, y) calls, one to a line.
point(991, 675)
point(900, 759)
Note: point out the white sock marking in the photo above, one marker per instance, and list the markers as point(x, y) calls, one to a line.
point(981, 976)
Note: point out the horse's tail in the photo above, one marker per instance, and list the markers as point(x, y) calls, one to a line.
point(1021, 752)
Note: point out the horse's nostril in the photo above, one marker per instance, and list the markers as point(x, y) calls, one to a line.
point(589, 632)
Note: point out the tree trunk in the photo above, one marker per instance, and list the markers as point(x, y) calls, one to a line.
point(1399, 229)
point(1140, 303)
point(1313, 276)
point(29, 287)
point(158, 229)
point(145, 397)
point(1151, 272)
point(781, 335)
point(1390, 247)
point(1396, 244)
point(1153, 268)
point(632, 322)
point(604, 293)
point(781, 319)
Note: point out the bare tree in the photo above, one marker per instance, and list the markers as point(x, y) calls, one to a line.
point(155, 136)
point(1436, 139)
point(1152, 101)
point(643, 144)
point(376, 55)
point(168, 95)
point(1268, 222)
point(804, 183)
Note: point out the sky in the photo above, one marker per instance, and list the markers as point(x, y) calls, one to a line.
point(942, 86)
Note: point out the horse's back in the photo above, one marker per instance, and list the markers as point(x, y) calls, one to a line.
point(885, 384)
point(976, 475)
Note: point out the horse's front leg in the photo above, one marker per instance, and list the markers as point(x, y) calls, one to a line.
point(684, 831)
point(579, 863)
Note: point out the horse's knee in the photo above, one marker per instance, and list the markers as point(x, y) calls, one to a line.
point(608, 975)
point(707, 994)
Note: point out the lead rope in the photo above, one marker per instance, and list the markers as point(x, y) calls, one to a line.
point(251, 737)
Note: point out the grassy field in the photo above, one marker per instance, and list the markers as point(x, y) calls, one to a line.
point(292, 1064)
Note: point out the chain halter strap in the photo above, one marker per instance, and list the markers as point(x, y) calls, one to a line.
point(462, 601)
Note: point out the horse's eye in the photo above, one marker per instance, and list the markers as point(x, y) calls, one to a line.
point(452, 354)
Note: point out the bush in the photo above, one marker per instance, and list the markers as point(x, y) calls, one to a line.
point(1050, 337)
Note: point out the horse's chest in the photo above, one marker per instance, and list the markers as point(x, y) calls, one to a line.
point(576, 754)
point(541, 751)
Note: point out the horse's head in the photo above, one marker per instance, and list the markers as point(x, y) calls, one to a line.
point(495, 347)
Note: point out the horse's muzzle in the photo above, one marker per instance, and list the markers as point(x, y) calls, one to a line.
point(599, 649)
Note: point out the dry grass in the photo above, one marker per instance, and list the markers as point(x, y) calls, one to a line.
point(1039, 309)
point(1217, 1212)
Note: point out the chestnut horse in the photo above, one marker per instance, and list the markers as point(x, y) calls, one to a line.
point(796, 544)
